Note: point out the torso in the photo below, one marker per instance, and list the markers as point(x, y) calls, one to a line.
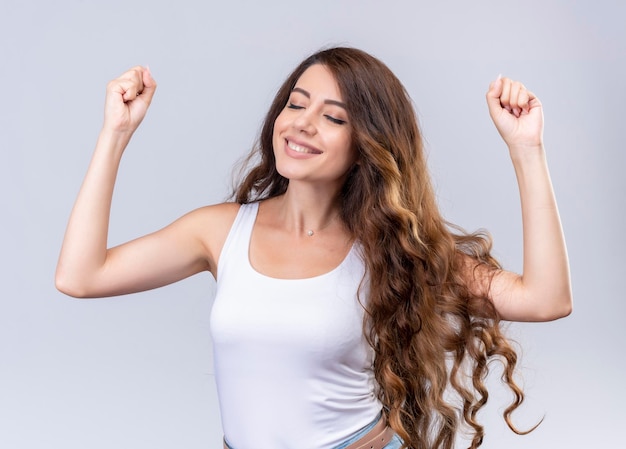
point(292, 366)
point(281, 254)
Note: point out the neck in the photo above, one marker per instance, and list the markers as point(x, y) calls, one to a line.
point(307, 211)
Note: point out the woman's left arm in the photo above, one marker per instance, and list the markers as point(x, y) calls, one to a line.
point(543, 291)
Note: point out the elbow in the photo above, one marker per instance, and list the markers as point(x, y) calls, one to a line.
point(69, 286)
point(68, 289)
point(560, 313)
point(568, 307)
point(567, 302)
point(564, 308)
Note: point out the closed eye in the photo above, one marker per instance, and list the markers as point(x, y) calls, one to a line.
point(335, 120)
point(294, 106)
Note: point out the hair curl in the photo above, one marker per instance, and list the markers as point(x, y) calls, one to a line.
point(431, 331)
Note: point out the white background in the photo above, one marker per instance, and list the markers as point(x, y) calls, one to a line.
point(136, 372)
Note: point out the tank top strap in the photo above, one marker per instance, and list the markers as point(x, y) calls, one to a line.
point(238, 240)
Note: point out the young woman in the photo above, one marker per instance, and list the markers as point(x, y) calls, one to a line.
point(346, 307)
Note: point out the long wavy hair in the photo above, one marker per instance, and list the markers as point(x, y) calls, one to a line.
point(428, 317)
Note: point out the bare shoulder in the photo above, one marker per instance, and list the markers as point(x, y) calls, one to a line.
point(212, 224)
point(217, 219)
point(215, 214)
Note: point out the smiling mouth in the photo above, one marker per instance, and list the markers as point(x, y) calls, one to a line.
point(301, 149)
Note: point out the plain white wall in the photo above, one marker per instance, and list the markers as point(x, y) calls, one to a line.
point(136, 372)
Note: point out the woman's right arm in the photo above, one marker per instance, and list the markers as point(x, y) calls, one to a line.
point(86, 267)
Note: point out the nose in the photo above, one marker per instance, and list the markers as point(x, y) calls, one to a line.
point(304, 122)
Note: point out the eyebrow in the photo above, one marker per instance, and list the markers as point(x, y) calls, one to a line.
point(308, 95)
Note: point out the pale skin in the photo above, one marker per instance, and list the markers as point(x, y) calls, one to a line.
point(313, 149)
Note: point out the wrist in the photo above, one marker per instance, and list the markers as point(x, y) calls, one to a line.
point(113, 141)
point(521, 153)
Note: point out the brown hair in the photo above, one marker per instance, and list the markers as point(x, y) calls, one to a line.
point(428, 326)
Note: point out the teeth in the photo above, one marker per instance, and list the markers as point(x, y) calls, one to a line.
point(299, 149)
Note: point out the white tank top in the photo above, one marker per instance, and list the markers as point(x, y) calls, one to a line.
point(292, 367)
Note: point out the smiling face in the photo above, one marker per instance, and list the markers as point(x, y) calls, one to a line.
point(312, 135)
